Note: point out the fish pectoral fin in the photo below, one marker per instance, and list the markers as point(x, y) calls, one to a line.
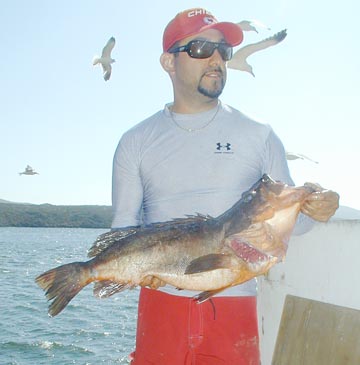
point(205, 295)
point(208, 263)
point(107, 288)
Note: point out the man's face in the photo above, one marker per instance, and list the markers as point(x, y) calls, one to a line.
point(205, 76)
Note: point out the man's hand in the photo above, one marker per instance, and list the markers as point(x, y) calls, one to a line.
point(321, 204)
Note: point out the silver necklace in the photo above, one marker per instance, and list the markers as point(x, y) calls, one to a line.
point(190, 130)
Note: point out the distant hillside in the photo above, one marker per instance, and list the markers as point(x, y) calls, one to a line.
point(47, 215)
point(4, 201)
point(84, 216)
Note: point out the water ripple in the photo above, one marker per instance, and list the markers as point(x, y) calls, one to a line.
point(88, 332)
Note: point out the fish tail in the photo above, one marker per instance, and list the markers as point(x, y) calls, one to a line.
point(63, 283)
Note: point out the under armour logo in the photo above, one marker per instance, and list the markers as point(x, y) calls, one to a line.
point(227, 146)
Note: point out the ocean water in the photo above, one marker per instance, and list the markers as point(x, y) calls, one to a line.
point(89, 331)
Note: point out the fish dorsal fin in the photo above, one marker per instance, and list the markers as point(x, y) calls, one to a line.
point(195, 219)
point(107, 239)
point(199, 217)
point(106, 288)
point(208, 262)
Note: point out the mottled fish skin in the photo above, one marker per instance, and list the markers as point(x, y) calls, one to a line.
point(196, 253)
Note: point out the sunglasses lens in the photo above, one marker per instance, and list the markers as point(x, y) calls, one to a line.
point(205, 49)
point(225, 51)
point(201, 49)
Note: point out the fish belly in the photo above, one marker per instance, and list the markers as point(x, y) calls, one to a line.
point(210, 280)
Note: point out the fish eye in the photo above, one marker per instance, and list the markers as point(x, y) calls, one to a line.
point(249, 196)
point(266, 178)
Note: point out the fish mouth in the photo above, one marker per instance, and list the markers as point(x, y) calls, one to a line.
point(248, 253)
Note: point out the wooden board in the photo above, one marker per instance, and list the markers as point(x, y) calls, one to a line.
point(316, 333)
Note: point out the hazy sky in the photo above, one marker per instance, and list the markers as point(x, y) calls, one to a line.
point(58, 115)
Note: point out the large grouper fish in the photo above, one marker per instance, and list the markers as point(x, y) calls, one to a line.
point(197, 253)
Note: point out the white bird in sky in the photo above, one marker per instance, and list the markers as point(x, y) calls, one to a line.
point(29, 171)
point(105, 60)
point(296, 156)
point(239, 59)
point(251, 25)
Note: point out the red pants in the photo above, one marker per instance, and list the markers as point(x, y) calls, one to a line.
point(175, 330)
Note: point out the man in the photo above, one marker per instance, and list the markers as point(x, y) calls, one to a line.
point(197, 155)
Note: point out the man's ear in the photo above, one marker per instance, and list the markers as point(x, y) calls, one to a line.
point(167, 61)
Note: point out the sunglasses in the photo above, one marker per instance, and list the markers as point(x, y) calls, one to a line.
point(205, 49)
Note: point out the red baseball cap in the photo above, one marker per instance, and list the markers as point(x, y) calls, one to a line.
point(196, 20)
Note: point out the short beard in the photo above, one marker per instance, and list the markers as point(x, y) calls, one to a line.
point(212, 93)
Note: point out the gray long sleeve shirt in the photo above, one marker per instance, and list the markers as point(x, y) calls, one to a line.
point(162, 171)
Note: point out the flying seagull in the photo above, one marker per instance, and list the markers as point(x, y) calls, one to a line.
point(251, 25)
point(105, 60)
point(296, 156)
point(239, 60)
point(28, 171)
